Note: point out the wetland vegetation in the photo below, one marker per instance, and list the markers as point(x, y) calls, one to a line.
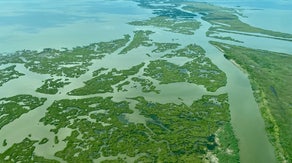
point(105, 108)
point(178, 26)
point(23, 152)
point(51, 86)
point(171, 132)
point(71, 63)
point(146, 84)
point(9, 73)
point(12, 108)
point(200, 70)
point(141, 38)
point(166, 132)
point(190, 51)
point(162, 47)
point(103, 83)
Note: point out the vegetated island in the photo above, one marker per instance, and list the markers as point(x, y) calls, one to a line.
point(226, 20)
point(171, 132)
point(12, 108)
point(168, 131)
point(8, 73)
point(52, 85)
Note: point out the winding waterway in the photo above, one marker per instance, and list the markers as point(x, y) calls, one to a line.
point(245, 115)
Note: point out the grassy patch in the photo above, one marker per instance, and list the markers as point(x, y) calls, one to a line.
point(162, 47)
point(12, 108)
point(141, 38)
point(190, 51)
point(23, 152)
point(103, 83)
point(178, 26)
point(51, 86)
point(8, 73)
point(228, 150)
point(146, 84)
point(199, 71)
point(172, 133)
point(68, 63)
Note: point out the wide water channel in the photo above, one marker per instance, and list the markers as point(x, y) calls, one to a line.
point(245, 115)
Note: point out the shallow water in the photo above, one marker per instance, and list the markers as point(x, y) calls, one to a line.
point(259, 4)
point(271, 19)
point(40, 24)
point(262, 43)
point(27, 124)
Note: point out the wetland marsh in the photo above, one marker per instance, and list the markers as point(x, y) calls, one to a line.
point(177, 83)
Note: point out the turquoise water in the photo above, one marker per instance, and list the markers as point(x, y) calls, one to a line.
point(272, 19)
point(267, 14)
point(260, 4)
point(40, 24)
